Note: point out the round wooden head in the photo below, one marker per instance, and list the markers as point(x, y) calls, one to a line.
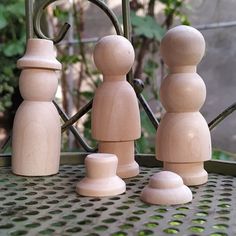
point(114, 56)
point(182, 46)
point(38, 80)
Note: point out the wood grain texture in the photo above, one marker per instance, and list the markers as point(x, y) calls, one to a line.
point(127, 166)
point(183, 139)
point(36, 137)
point(115, 111)
point(101, 179)
point(166, 188)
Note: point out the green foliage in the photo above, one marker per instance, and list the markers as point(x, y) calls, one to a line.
point(221, 155)
point(173, 8)
point(12, 39)
point(60, 14)
point(150, 67)
point(145, 144)
point(146, 26)
point(69, 59)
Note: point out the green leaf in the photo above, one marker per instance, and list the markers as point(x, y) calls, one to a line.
point(146, 26)
point(3, 20)
point(147, 124)
point(13, 48)
point(70, 59)
point(150, 68)
point(16, 8)
point(87, 94)
point(220, 155)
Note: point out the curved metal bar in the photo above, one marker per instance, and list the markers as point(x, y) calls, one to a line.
point(148, 111)
point(126, 19)
point(81, 141)
point(37, 26)
point(222, 116)
point(110, 14)
point(6, 143)
point(29, 6)
point(77, 116)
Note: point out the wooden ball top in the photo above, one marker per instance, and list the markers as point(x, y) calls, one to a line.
point(182, 46)
point(166, 188)
point(114, 55)
point(165, 180)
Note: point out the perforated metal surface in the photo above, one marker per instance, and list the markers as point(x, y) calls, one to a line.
point(50, 206)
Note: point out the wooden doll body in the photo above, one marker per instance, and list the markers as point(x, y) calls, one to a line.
point(183, 139)
point(36, 130)
point(115, 112)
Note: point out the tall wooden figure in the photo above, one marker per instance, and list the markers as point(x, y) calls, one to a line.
point(115, 112)
point(36, 130)
point(183, 140)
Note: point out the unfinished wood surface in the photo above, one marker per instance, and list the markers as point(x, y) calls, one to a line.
point(183, 139)
point(127, 167)
point(101, 179)
point(166, 188)
point(115, 111)
point(36, 137)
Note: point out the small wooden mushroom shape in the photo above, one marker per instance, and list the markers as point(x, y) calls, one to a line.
point(36, 137)
point(183, 139)
point(115, 111)
point(166, 188)
point(101, 179)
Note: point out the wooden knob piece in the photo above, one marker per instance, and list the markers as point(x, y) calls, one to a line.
point(166, 188)
point(101, 179)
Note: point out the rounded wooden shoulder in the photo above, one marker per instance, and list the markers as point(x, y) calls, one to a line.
point(115, 113)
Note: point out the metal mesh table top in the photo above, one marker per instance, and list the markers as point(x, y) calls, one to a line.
point(50, 206)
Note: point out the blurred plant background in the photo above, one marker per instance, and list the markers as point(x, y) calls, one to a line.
point(79, 78)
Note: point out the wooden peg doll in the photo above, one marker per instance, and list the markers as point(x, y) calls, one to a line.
point(36, 138)
point(115, 112)
point(183, 139)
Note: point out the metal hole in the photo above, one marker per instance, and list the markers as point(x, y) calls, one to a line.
point(218, 234)
point(109, 220)
point(197, 229)
point(19, 219)
point(69, 217)
point(6, 226)
point(117, 213)
point(73, 230)
point(18, 233)
point(48, 231)
point(139, 212)
point(145, 232)
point(220, 226)
point(171, 231)
point(199, 221)
point(175, 222)
point(202, 213)
point(101, 228)
point(133, 218)
point(85, 222)
point(120, 233)
point(32, 225)
point(151, 224)
point(59, 224)
point(156, 217)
